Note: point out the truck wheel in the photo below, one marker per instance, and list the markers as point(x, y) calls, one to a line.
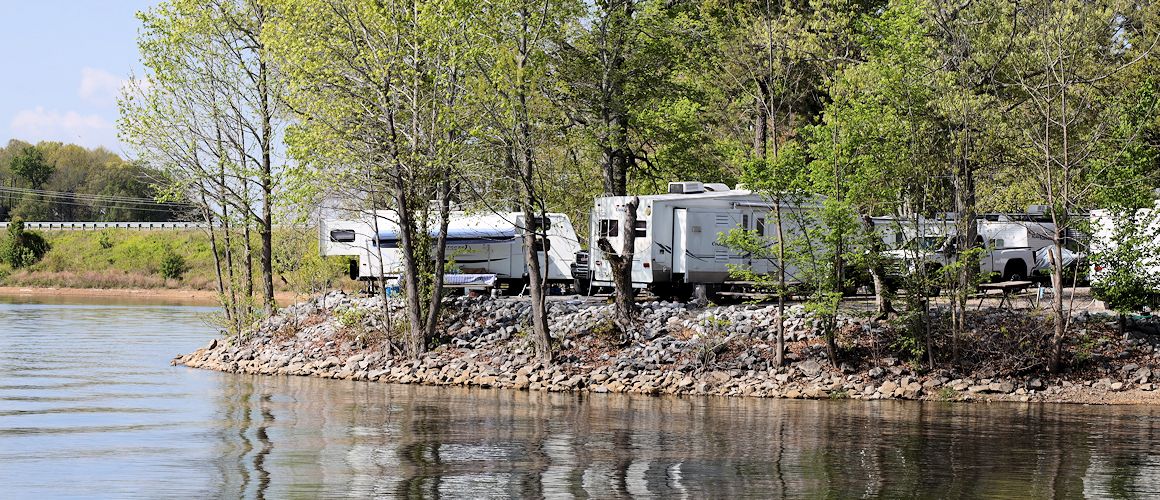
point(1015, 270)
point(583, 287)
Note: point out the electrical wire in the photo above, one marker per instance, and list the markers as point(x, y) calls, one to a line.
point(89, 197)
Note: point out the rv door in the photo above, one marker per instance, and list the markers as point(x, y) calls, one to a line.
point(680, 233)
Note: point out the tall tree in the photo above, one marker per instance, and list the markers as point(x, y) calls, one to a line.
point(378, 87)
point(30, 165)
point(510, 80)
point(205, 113)
point(1067, 66)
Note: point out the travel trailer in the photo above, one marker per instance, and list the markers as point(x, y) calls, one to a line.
point(1144, 229)
point(484, 249)
point(676, 247)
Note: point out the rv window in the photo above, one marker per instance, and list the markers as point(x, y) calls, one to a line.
point(609, 228)
point(541, 224)
point(641, 229)
point(761, 226)
point(543, 245)
point(342, 235)
point(744, 221)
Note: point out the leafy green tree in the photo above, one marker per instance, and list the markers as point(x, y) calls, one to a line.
point(378, 90)
point(517, 122)
point(1066, 66)
point(29, 165)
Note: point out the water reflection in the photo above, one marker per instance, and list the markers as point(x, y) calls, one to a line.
point(90, 408)
point(333, 438)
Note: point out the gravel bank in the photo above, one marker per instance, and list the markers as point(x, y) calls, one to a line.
point(725, 350)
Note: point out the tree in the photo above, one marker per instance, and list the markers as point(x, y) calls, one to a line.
point(29, 165)
point(378, 89)
point(204, 115)
point(22, 248)
point(615, 69)
point(1066, 68)
point(517, 124)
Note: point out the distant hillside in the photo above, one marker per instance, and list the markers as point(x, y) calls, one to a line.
point(52, 181)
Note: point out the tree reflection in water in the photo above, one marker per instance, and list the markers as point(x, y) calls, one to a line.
point(303, 436)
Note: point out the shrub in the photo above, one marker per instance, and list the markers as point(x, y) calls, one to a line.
point(173, 266)
point(22, 248)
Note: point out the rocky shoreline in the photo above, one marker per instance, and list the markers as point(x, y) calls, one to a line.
point(723, 351)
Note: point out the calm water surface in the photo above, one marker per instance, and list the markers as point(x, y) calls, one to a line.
point(90, 408)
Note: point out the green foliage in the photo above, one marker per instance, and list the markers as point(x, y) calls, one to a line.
point(1124, 278)
point(29, 164)
point(105, 240)
point(946, 394)
point(135, 259)
point(173, 266)
point(300, 267)
point(99, 184)
point(22, 248)
point(351, 317)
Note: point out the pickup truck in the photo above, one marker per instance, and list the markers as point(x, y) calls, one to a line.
point(1007, 264)
point(580, 275)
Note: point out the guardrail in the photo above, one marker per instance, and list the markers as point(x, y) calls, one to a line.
point(96, 226)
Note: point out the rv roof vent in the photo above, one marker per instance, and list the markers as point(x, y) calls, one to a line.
point(716, 186)
point(1037, 209)
point(688, 187)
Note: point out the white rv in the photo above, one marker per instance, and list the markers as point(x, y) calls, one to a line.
point(1142, 229)
point(478, 245)
point(676, 245)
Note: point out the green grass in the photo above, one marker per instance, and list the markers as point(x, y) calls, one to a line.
point(127, 258)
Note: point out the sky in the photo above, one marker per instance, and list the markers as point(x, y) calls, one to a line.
point(65, 62)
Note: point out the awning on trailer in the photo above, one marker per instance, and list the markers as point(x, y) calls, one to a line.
point(469, 280)
point(457, 236)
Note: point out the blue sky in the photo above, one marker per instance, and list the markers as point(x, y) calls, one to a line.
point(65, 61)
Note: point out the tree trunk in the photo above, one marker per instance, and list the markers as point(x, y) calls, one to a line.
point(266, 227)
point(207, 214)
point(877, 271)
point(782, 290)
point(536, 284)
point(410, 284)
point(436, 298)
point(625, 315)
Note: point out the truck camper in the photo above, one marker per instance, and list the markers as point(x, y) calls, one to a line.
point(484, 249)
point(676, 246)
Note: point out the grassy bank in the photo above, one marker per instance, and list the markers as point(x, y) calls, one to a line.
point(127, 258)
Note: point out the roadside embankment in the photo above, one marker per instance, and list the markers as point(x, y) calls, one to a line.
point(724, 351)
point(178, 260)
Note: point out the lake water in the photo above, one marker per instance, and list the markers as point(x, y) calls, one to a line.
point(90, 408)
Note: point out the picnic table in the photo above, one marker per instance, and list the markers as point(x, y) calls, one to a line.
point(1009, 289)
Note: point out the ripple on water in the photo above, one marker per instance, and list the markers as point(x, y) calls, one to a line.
point(90, 408)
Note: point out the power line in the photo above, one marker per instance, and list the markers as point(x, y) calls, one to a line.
point(89, 197)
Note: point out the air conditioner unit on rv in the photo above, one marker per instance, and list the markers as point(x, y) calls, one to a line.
point(687, 187)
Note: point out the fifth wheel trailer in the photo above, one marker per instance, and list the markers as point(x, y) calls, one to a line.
point(477, 244)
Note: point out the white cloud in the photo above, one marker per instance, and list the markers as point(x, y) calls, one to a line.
point(39, 124)
point(99, 87)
